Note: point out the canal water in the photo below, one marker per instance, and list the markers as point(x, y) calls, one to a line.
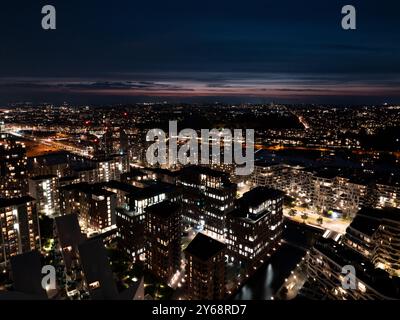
point(269, 278)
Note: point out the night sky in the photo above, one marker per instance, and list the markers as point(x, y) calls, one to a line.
point(225, 50)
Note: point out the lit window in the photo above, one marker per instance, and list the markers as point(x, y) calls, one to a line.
point(94, 285)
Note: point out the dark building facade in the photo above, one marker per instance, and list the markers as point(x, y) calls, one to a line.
point(163, 239)
point(205, 268)
point(255, 227)
point(131, 219)
point(208, 196)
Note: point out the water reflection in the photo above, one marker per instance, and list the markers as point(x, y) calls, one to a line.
point(269, 278)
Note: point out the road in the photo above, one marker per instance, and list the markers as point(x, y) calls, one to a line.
point(337, 225)
point(45, 145)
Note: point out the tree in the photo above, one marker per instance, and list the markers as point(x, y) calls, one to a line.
point(284, 292)
point(289, 201)
point(305, 205)
point(292, 212)
point(304, 216)
point(320, 220)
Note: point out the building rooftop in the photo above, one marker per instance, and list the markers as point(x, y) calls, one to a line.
point(164, 171)
point(100, 192)
point(134, 292)
point(203, 170)
point(67, 178)
point(81, 186)
point(68, 230)
point(96, 188)
point(27, 274)
point(152, 191)
point(392, 214)
point(97, 270)
point(43, 177)
point(134, 172)
point(258, 195)
point(9, 202)
point(364, 225)
point(50, 159)
point(126, 187)
point(378, 279)
point(164, 209)
point(204, 247)
point(325, 172)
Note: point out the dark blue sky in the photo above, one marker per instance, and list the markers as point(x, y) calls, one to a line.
point(121, 51)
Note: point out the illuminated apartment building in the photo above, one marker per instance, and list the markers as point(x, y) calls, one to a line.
point(386, 195)
point(130, 233)
point(293, 180)
point(163, 239)
point(19, 227)
point(123, 141)
point(137, 178)
point(325, 262)
point(208, 196)
point(13, 168)
point(65, 181)
point(94, 205)
point(102, 170)
point(359, 234)
point(107, 142)
point(375, 233)
point(111, 168)
point(122, 191)
point(86, 174)
point(138, 146)
point(337, 193)
point(255, 227)
point(45, 190)
point(348, 195)
point(324, 189)
point(205, 268)
point(101, 209)
point(130, 220)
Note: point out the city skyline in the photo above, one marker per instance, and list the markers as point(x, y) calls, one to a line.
point(211, 151)
point(264, 51)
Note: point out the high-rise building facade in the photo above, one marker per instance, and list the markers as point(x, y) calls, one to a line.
point(328, 264)
point(19, 227)
point(163, 239)
point(45, 190)
point(131, 219)
point(208, 196)
point(94, 205)
point(13, 168)
point(205, 268)
point(255, 227)
point(375, 233)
